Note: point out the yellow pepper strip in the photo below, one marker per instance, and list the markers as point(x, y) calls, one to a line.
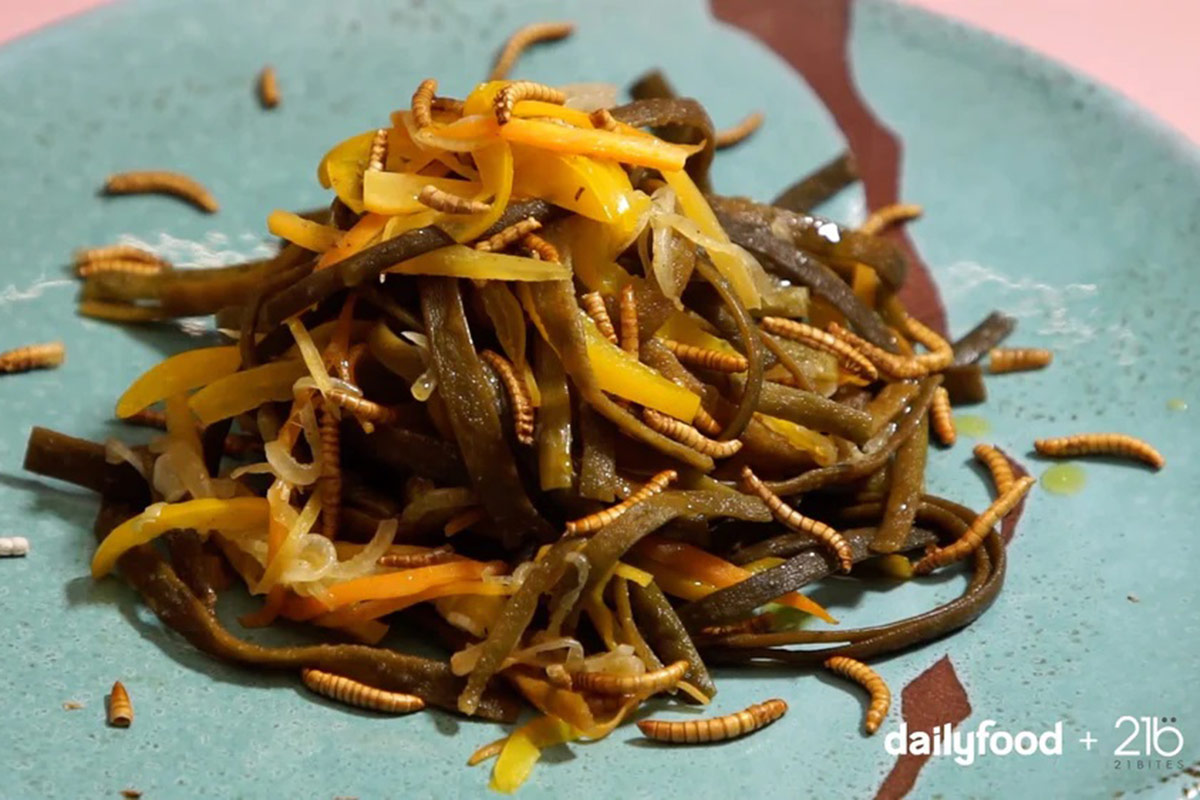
point(364, 232)
point(304, 232)
point(460, 261)
point(676, 582)
point(242, 391)
point(482, 99)
point(396, 192)
point(591, 246)
point(374, 609)
point(632, 573)
point(235, 514)
point(495, 164)
point(409, 222)
point(524, 748)
point(695, 207)
point(342, 169)
point(596, 188)
point(271, 607)
point(539, 108)
point(636, 151)
point(182, 372)
point(602, 620)
point(474, 613)
point(405, 582)
point(802, 438)
point(311, 356)
point(865, 284)
point(767, 562)
point(620, 373)
point(681, 327)
point(703, 566)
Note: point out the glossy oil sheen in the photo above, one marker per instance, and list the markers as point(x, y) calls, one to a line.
point(1044, 196)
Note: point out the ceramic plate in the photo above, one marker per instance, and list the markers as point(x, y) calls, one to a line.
point(1044, 195)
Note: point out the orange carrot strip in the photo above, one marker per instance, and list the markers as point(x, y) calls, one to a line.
point(635, 150)
point(353, 240)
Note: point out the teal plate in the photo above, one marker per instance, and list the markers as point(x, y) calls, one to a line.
point(1045, 196)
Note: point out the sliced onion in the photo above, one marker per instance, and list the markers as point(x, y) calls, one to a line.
point(590, 96)
point(559, 614)
point(622, 661)
point(116, 451)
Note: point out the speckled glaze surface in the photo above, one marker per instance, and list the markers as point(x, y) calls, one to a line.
point(1045, 197)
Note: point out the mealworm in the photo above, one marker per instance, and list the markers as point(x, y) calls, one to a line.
point(658, 680)
point(706, 423)
point(120, 708)
point(759, 623)
point(627, 314)
point(437, 555)
point(883, 218)
point(127, 266)
point(268, 87)
point(331, 472)
point(447, 203)
point(509, 235)
point(718, 360)
point(942, 418)
point(728, 137)
point(518, 398)
point(378, 151)
point(895, 366)
point(422, 102)
point(489, 750)
point(163, 182)
point(525, 36)
point(688, 435)
point(353, 693)
point(593, 304)
point(971, 539)
point(117, 252)
point(594, 522)
point(1018, 359)
point(463, 520)
point(1107, 444)
point(516, 91)
point(353, 359)
point(540, 249)
point(717, 729)
point(13, 546)
point(940, 354)
point(998, 465)
point(881, 696)
point(558, 676)
point(825, 534)
point(362, 408)
point(131, 794)
point(602, 119)
point(450, 104)
point(847, 355)
point(34, 356)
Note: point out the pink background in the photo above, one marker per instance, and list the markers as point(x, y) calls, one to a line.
point(1146, 49)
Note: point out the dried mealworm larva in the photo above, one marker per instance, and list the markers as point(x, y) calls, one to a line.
point(34, 356)
point(649, 683)
point(1101, 444)
point(13, 546)
point(792, 518)
point(730, 726)
point(627, 315)
point(447, 203)
point(163, 182)
point(450, 104)
point(378, 151)
point(558, 676)
point(117, 252)
point(362, 408)
point(971, 539)
point(127, 266)
point(489, 750)
point(268, 87)
point(1018, 359)
point(847, 355)
point(881, 696)
point(728, 137)
point(706, 423)
point(518, 397)
point(940, 354)
point(509, 235)
point(120, 709)
point(540, 249)
point(759, 623)
point(687, 434)
point(602, 119)
point(353, 693)
point(883, 218)
point(422, 102)
point(330, 482)
point(895, 366)
point(463, 520)
point(437, 555)
point(593, 304)
point(594, 522)
point(524, 37)
point(998, 465)
point(942, 417)
point(517, 91)
point(704, 358)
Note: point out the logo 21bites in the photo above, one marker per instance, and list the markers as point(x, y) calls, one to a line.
point(965, 746)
